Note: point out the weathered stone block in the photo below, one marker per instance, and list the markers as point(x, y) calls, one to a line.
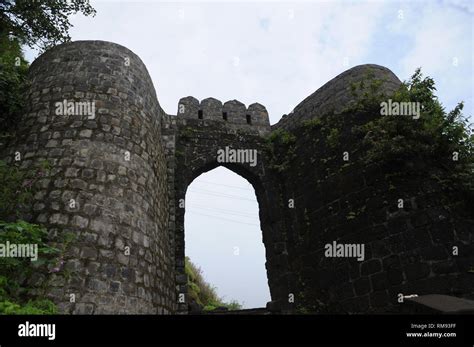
point(370, 267)
point(362, 286)
point(416, 271)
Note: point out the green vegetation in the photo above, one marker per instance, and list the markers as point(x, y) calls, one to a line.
point(18, 293)
point(22, 280)
point(280, 148)
point(41, 23)
point(13, 70)
point(407, 152)
point(439, 145)
point(18, 187)
point(312, 123)
point(367, 94)
point(188, 133)
point(333, 137)
point(202, 292)
point(437, 134)
point(281, 136)
point(32, 23)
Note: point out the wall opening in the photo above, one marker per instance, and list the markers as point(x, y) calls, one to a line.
point(200, 114)
point(224, 115)
point(249, 119)
point(223, 236)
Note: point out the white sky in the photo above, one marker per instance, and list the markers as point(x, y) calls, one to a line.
point(223, 236)
point(275, 53)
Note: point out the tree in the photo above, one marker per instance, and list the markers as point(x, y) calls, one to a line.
point(33, 23)
point(40, 23)
point(13, 68)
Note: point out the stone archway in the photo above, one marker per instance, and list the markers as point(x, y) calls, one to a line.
point(211, 243)
point(197, 143)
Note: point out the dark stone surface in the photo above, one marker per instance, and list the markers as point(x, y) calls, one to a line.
point(435, 303)
point(370, 267)
point(335, 95)
point(379, 281)
point(417, 271)
point(362, 286)
point(378, 299)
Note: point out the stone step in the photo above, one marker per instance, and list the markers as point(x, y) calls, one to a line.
point(443, 304)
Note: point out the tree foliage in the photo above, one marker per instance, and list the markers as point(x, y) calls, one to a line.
point(32, 23)
point(13, 70)
point(18, 188)
point(40, 23)
point(18, 293)
point(435, 137)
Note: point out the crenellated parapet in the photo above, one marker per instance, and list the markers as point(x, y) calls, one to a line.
point(233, 113)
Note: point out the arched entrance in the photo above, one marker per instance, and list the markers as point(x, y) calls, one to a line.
point(223, 239)
point(263, 205)
point(198, 143)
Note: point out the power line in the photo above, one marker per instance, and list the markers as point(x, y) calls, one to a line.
point(209, 192)
point(225, 211)
point(222, 218)
point(225, 185)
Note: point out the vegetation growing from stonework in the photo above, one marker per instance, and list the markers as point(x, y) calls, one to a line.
point(17, 187)
point(201, 292)
point(436, 149)
point(436, 134)
point(437, 138)
point(19, 293)
point(16, 294)
point(280, 150)
point(42, 24)
point(438, 145)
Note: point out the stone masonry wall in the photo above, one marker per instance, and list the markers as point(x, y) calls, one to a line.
point(335, 95)
point(233, 113)
point(196, 144)
point(409, 248)
point(113, 170)
point(118, 178)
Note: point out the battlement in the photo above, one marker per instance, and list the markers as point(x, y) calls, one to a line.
point(233, 112)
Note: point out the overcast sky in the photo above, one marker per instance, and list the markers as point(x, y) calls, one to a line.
point(274, 53)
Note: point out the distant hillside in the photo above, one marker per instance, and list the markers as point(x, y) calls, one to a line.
point(202, 293)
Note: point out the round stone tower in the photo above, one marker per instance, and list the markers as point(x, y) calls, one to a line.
point(93, 115)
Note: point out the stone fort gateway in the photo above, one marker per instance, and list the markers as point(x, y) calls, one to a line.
point(127, 165)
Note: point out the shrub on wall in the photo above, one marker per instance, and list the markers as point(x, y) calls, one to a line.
point(427, 156)
point(23, 280)
point(202, 293)
point(18, 292)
